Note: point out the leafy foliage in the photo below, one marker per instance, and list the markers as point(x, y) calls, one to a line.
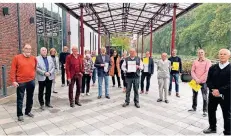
point(207, 26)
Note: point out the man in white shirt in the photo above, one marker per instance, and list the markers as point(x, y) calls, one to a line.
point(132, 67)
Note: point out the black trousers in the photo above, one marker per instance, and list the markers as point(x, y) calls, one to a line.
point(29, 87)
point(118, 79)
point(204, 92)
point(212, 108)
point(45, 84)
point(135, 83)
point(148, 77)
point(63, 75)
point(86, 81)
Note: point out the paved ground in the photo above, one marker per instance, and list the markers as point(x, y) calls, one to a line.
point(108, 117)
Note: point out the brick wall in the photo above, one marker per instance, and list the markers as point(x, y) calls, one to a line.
point(9, 32)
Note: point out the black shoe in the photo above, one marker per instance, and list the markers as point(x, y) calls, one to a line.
point(108, 97)
point(55, 92)
point(209, 131)
point(42, 107)
point(137, 105)
point(49, 106)
point(119, 87)
point(30, 115)
point(113, 86)
point(72, 105)
point(125, 104)
point(159, 100)
point(78, 103)
point(20, 118)
point(192, 110)
point(169, 93)
point(166, 101)
point(204, 114)
point(99, 97)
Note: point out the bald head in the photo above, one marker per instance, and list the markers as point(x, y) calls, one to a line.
point(74, 50)
point(132, 52)
point(224, 55)
point(43, 51)
point(164, 56)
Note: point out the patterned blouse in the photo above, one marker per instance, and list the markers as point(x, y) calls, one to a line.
point(88, 66)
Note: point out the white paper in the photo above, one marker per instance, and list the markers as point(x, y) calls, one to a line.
point(106, 67)
point(131, 66)
point(145, 67)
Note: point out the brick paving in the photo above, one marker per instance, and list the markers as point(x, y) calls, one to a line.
point(108, 117)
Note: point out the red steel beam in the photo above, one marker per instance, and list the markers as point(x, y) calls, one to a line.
point(98, 37)
point(151, 39)
point(173, 28)
point(82, 34)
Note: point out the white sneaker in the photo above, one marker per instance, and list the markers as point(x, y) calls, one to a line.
point(82, 94)
point(88, 94)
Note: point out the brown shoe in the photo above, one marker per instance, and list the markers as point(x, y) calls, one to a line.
point(177, 95)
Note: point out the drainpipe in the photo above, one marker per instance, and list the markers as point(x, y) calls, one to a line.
point(19, 31)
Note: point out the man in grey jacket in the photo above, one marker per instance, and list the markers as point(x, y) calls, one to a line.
point(163, 75)
point(45, 75)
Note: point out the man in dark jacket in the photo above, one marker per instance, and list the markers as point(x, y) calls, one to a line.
point(102, 63)
point(62, 60)
point(175, 71)
point(218, 82)
point(147, 72)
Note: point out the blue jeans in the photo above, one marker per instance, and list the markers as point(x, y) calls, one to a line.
point(94, 75)
point(176, 78)
point(100, 82)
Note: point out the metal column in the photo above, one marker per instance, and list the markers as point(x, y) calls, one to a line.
point(173, 28)
point(4, 80)
point(142, 45)
point(98, 37)
point(137, 45)
point(81, 34)
point(151, 39)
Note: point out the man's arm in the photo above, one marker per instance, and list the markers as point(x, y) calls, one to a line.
point(193, 74)
point(53, 66)
point(97, 64)
point(141, 67)
point(39, 68)
point(67, 65)
point(204, 76)
point(180, 65)
point(209, 79)
point(123, 67)
point(152, 66)
point(13, 70)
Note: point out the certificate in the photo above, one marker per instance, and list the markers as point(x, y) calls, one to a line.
point(196, 87)
point(131, 66)
point(175, 66)
point(106, 67)
point(93, 59)
point(145, 60)
point(145, 67)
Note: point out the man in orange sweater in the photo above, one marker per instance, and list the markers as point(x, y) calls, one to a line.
point(22, 75)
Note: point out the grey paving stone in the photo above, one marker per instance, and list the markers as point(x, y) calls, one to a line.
point(188, 132)
point(48, 127)
point(87, 129)
point(117, 118)
point(136, 126)
point(148, 131)
point(75, 132)
point(128, 130)
point(9, 125)
point(34, 131)
point(175, 128)
point(99, 125)
point(109, 121)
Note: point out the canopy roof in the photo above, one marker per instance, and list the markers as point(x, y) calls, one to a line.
point(126, 17)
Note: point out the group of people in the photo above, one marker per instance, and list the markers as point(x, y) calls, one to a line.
point(133, 71)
